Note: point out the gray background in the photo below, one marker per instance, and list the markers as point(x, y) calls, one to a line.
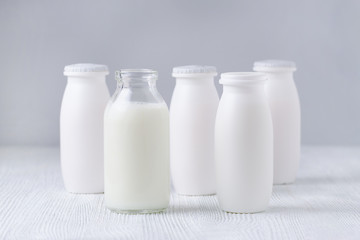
point(38, 38)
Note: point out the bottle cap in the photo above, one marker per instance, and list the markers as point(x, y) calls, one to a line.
point(241, 78)
point(274, 66)
point(86, 68)
point(193, 69)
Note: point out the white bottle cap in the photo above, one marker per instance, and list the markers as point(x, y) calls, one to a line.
point(274, 66)
point(85, 68)
point(193, 69)
point(241, 78)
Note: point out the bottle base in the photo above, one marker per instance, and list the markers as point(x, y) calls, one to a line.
point(85, 192)
point(245, 212)
point(137, 211)
point(284, 182)
point(196, 195)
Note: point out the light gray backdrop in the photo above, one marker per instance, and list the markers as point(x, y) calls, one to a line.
point(38, 38)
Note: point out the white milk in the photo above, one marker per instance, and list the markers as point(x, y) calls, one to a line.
point(136, 156)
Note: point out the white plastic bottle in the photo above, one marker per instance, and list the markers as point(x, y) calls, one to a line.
point(285, 109)
point(192, 121)
point(243, 144)
point(136, 125)
point(81, 128)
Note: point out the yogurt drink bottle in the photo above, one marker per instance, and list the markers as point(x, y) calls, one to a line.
point(284, 104)
point(192, 121)
point(243, 144)
point(81, 128)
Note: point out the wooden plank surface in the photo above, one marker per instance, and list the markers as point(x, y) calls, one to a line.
point(324, 203)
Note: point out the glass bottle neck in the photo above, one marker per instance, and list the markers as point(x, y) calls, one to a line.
point(136, 78)
point(129, 83)
point(137, 85)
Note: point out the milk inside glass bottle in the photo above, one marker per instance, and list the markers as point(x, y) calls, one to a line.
point(136, 145)
point(285, 109)
point(192, 121)
point(243, 144)
point(81, 128)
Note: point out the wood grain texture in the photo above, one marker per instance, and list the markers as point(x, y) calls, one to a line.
point(324, 203)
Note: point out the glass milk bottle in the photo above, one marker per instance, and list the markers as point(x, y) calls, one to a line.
point(243, 144)
point(192, 121)
point(136, 125)
point(81, 128)
point(285, 109)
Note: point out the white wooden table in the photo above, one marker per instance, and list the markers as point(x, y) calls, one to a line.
point(324, 203)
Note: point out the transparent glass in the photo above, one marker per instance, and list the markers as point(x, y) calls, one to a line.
point(136, 145)
point(137, 85)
